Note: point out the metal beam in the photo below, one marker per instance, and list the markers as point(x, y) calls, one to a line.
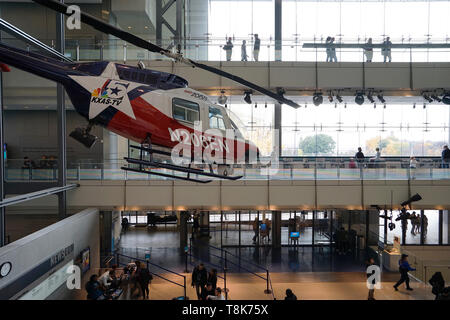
point(278, 26)
point(61, 116)
point(2, 168)
point(35, 195)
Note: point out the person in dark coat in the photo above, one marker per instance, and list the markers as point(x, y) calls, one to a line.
point(404, 267)
point(143, 278)
point(438, 283)
point(199, 279)
point(445, 294)
point(212, 278)
point(290, 295)
point(209, 291)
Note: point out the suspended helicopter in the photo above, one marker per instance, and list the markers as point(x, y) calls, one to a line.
point(155, 109)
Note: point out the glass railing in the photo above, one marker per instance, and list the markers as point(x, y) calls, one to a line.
point(212, 49)
point(307, 169)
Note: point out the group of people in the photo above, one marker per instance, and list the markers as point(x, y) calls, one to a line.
point(416, 222)
point(106, 286)
point(228, 47)
point(261, 228)
point(368, 50)
point(46, 162)
point(205, 284)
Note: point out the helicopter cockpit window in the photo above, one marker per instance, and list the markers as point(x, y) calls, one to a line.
point(185, 110)
point(216, 119)
point(236, 123)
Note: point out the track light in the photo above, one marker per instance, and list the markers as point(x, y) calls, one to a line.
point(370, 97)
point(446, 98)
point(359, 99)
point(265, 106)
point(339, 98)
point(247, 97)
point(381, 98)
point(256, 106)
point(330, 97)
point(414, 105)
point(222, 98)
point(436, 98)
point(424, 106)
point(317, 99)
point(426, 97)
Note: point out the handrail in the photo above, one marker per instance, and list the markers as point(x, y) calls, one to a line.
point(158, 266)
point(267, 278)
point(242, 259)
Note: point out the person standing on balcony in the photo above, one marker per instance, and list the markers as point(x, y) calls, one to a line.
point(328, 50)
point(386, 50)
point(359, 156)
point(244, 55)
point(333, 51)
point(256, 47)
point(445, 157)
point(368, 50)
point(228, 47)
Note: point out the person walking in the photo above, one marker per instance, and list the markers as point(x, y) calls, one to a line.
point(437, 283)
point(256, 47)
point(255, 229)
point(244, 55)
point(199, 279)
point(328, 49)
point(386, 50)
point(212, 278)
point(228, 47)
point(290, 295)
point(369, 263)
point(445, 157)
point(368, 50)
point(404, 267)
point(143, 278)
point(333, 51)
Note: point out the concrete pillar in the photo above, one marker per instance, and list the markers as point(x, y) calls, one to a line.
point(183, 229)
point(445, 227)
point(278, 33)
point(276, 229)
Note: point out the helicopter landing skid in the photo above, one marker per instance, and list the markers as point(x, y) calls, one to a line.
point(146, 166)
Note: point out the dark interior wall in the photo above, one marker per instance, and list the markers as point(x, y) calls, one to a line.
point(33, 133)
point(40, 22)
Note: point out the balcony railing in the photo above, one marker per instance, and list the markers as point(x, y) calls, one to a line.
point(307, 169)
point(295, 49)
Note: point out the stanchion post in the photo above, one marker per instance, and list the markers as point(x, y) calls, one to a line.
point(267, 291)
point(184, 288)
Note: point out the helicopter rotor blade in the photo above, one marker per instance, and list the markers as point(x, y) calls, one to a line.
point(141, 43)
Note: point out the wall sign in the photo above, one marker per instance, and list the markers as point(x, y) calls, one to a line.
point(5, 269)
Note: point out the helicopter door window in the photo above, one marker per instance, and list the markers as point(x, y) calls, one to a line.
point(142, 77)
point(216, 119)
point(184, 110)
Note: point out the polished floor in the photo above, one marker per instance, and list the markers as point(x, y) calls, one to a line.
point(306, 285)
point(313, 274)
point(162, 245)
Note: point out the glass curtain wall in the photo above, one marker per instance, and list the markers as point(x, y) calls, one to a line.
point(338, 130)
point(356, 21)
